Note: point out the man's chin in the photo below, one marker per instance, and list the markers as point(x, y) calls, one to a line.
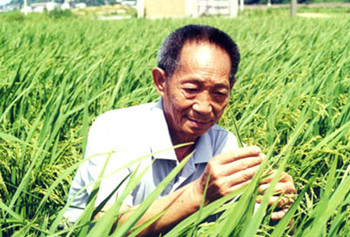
point(190, 133)
point(196, 132)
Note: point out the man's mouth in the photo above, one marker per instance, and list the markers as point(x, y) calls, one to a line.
point(198, 122)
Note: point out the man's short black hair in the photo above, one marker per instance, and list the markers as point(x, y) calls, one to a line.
point(170, 50)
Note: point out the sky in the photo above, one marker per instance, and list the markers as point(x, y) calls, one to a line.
point(3, 2)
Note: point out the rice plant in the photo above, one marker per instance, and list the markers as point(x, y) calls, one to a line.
point(291, 98)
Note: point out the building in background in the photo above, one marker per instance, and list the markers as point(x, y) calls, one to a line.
point(186, 8)
point(41, 6)
point(10, 7)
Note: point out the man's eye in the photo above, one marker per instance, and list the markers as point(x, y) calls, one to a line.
point(191, 90)
point(220, 93)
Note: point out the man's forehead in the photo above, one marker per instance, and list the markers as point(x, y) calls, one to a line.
point(199, 52)
point(202, 61)
point(200, 48)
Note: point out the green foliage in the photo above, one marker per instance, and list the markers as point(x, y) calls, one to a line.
point(291, 98)
point(13, 16)
point(58, 13)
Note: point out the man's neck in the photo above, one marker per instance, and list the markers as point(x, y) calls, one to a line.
point(184, 151)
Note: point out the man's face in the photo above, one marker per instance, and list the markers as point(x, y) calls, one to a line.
point(195, 97)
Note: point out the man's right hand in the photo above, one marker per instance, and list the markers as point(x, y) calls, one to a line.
point(228, 172)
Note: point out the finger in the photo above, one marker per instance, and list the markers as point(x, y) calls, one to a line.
point(238, 186)
point(237, 154)
point(280, 188)
point(280, 201)
point(285, 184)
point(270, 175)
point(278, 215)
point(233, 182)
point(242, 176)
point(240, 165)
point(284, 177)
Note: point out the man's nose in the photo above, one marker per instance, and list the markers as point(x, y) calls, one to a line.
point(202, 104)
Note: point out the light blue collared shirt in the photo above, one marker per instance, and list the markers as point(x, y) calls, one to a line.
point(133, 133)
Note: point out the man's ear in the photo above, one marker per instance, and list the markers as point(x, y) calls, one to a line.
point(233, 83)
point(159, 79)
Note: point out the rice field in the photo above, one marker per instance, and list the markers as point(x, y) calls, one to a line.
point(291, 99)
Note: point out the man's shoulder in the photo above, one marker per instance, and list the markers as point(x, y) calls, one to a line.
point(116, 115)
point(121, 122)
point(124, 116)
point(119, 130)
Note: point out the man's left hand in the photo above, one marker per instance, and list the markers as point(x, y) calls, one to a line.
point(284, 189)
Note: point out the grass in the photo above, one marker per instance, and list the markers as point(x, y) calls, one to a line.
point(291, 99)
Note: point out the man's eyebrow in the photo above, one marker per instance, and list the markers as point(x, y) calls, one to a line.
point(193, 80)
point(222, 85)
point(202, 81)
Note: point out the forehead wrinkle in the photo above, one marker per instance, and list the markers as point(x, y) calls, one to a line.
point(204, 76)
point(203, 58)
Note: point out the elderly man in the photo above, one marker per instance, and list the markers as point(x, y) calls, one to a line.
point(195, 75)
